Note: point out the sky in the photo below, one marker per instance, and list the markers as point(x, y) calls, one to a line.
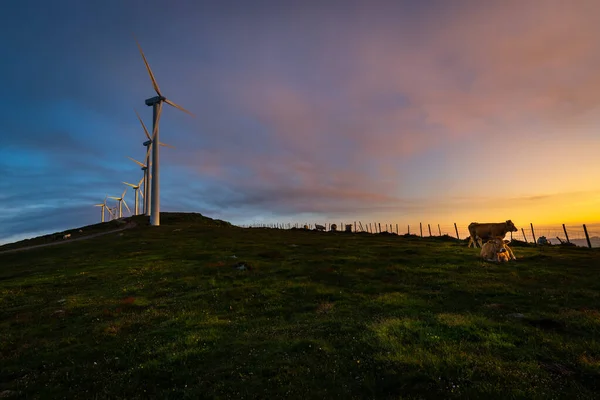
point(305, 111)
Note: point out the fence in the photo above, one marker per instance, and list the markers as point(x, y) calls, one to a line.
point(587, 235)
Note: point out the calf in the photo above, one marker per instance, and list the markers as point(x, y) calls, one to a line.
point(68, 235)
point(489, 231)
point(497, 250)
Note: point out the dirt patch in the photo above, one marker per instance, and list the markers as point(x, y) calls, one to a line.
point(324, 308)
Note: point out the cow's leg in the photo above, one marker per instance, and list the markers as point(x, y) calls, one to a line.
point(511, 254)
point(473, 241)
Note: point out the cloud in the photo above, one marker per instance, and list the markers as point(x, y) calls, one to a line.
point(333, 108)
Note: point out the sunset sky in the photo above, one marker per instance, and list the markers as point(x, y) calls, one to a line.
point(306, 111)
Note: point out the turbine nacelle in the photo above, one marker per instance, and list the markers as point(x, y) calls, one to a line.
point(147, 143)
point(155, 100)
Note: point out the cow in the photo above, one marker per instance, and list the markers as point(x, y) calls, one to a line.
point(319, 227)
point(497, 250)
point(68, 235)
point(489, 231)
point(333, 228)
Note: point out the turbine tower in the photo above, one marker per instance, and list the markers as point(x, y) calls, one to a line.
point(135, 189)
point(148, 145)
point(104, 206)
point(156, 103)
point(121, 201)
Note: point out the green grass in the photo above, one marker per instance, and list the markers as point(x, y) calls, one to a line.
point(161, 312)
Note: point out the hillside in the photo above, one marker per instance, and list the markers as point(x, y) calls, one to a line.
point(197, 308)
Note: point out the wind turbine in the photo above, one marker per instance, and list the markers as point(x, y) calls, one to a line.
point(135, 188)
point(103, 205)
point(147, 178)
point(121, 201)
point(156, 103)
point(148, 145)
point(111, 212)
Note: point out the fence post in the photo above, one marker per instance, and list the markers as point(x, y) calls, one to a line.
point(354, 226)
point(524, 237)
point(587, 237)
point(439, 230)
point(533, 233)
point(370, 230)
point(566, 235)
point(379, 227)
point(397, 232)
point(429, 227)
point(421, 228)
point(456, 229)
point(409, 229)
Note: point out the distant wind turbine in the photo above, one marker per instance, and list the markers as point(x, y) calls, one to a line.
point(103, 205)
point(147, 178)
point(156, 103)
point(121, 201)
point(135, 189)
point(111, 212)
point(148, 145)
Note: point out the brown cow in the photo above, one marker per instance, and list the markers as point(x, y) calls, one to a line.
point(497, 250)
point(489, 231)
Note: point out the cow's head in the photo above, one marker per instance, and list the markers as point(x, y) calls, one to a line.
point(510, 226)
point(498, 244)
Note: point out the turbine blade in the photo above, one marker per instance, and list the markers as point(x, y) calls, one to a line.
point(166, 145)
point(143, 125)
point(140, 182)
point(116, 198)
point(169, 102)
point(148, 68)
point(98, 205)
point(129, 184)
point(124, 202)
point(123, 195)
point(142, 193)
point(137, 162)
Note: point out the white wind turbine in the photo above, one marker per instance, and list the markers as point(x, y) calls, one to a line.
point(148, 145)
point(111, 212)
point(135, 188)
point(156, 103)
point(121, 201)
point(104, 206)
point(147, 178)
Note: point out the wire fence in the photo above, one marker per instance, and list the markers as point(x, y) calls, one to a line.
point(531, 233)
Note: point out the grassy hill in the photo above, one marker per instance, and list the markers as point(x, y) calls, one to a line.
point(197, 308)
